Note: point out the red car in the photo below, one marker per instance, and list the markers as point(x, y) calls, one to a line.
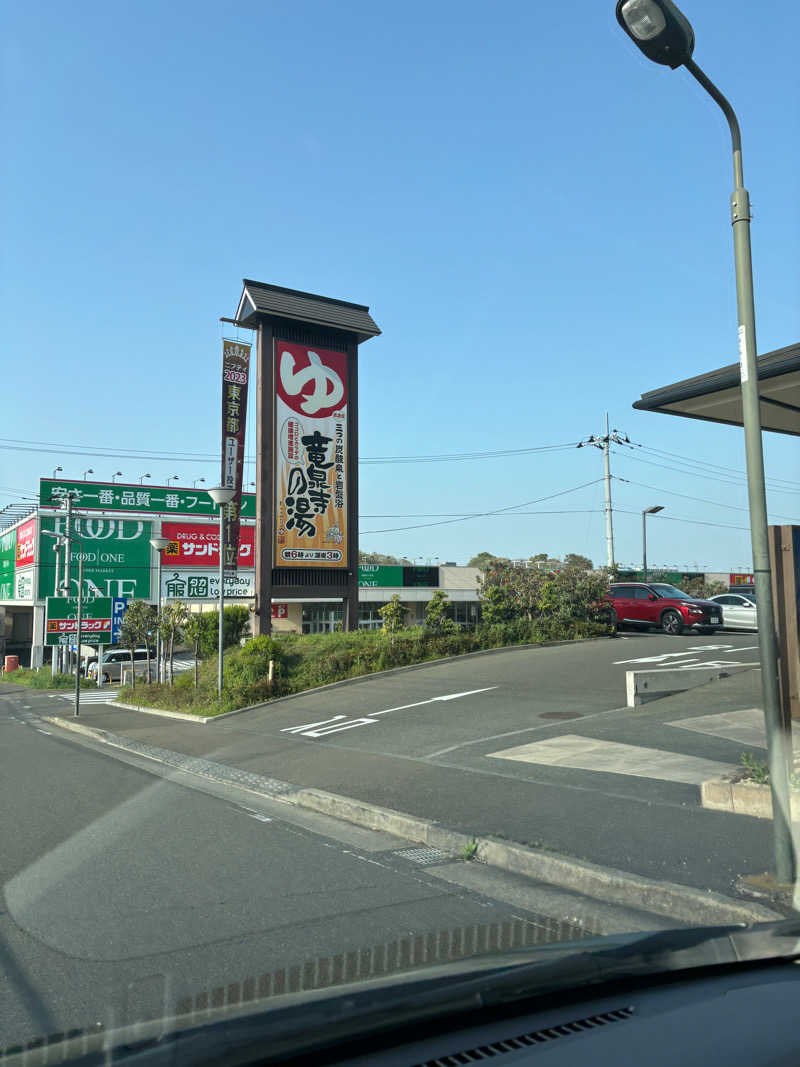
point(657, 604)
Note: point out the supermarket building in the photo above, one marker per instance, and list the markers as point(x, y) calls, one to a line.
point(111, 528)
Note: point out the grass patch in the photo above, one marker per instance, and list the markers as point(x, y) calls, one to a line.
point(305, 661)
point(45, 679)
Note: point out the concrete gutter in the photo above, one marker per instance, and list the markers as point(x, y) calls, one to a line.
point(641, 687)
point(606, 884)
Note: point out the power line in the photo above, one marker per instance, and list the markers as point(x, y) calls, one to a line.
point(723, 480)
point(482, 514)
point(694, 522)
point(697, 499)
point(9, 444)
point(708, 463)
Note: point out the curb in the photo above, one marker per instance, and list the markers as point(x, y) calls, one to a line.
point(607, 884)
point(742, 798)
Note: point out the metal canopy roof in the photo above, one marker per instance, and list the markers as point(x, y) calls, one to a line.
point(716, 396)
point(260, 298)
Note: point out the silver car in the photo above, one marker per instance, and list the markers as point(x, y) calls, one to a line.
point(739, 611)
point(117, 660)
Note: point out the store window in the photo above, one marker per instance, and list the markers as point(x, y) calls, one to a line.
point(322, 618)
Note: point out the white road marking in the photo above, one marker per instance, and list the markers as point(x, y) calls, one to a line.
point(433, 700)
point(338, 723)
point(310, 725)
point(38, 731)
point(341, 726)
point(676, 655)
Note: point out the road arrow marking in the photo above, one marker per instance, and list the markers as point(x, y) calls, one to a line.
point(338, 723)
point(433, 700)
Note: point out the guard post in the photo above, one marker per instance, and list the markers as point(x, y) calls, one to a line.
point(306, 544)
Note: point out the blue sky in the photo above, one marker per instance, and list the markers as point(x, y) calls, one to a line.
point(536, 215)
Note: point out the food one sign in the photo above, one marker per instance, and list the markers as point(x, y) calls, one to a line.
point(197, 545)
point(61, 627)
point(310, 451)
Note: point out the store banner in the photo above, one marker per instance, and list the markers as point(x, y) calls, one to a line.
point(310, 450)
point(26, 543)
point(116, 556)
point(156, 499)
point(204, 585)
point(741, 579)
point(197, 545)
point(235, 374)
point(8, 552)
point(23, 584)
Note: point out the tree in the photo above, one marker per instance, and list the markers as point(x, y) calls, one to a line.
point(173, 617)
point(437, 620)
point(393, 615)
point(700, 588)
point(137, 624)
point(486, 561)
point(378, 557)
point(193, 628)
point(496, 605)
point(576, 562)
point(235, 622)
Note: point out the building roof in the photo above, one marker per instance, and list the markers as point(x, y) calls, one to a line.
point(716, 395)
point(261, 298)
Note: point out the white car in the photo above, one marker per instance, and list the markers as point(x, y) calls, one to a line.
point(118, 660)
point(739, 611)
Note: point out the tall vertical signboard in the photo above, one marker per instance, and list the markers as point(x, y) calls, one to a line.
point(306, 382)
point(235, 376)
point(310, 452)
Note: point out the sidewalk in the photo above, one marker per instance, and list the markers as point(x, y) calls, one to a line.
point(656, 830)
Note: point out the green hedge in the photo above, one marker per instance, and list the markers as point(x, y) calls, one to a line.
point(45, 679)
point(305, 661)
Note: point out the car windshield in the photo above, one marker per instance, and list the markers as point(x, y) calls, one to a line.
point(353, 590)
point(671, 592)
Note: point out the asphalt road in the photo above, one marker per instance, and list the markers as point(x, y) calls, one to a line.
point(126, 892)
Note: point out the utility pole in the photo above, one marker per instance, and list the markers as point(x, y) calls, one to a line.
point(609, 520)
point(604, 443)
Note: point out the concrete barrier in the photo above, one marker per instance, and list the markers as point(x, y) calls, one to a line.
point(644, 686)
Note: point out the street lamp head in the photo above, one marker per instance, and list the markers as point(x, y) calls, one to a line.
point(159, 543)
point(653, 510)
point(658, 29)
point(221, 495)
point(90, 471)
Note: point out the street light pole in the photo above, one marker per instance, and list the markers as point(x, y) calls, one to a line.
point(221, 496)
point(78, 637)
point(647, 511)
point(159, 544)
point(663, 33)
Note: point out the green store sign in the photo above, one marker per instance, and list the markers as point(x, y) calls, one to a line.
point(8, 553)
point(61, 627)
point(116, 556)
point(103, 496)
point(379, 576)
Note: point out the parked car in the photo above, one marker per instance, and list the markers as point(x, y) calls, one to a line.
point(117, 660)
point(739, 611)
point(657, 604)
